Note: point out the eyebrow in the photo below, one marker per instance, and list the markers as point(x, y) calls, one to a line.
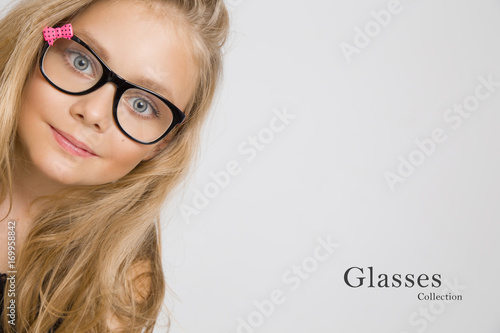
point(158, 88)
point(142, 80)
point(94, 44)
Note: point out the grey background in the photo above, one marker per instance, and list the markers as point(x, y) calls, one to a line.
point(324, 174)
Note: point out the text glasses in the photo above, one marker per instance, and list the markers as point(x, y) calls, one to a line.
point(74, 68)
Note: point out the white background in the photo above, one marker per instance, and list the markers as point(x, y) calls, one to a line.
point(323, 175)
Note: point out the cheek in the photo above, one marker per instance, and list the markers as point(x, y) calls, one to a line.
point(41, 100)
point(123, 156)
point(34, 108)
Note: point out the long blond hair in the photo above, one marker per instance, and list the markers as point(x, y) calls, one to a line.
point(77, 262)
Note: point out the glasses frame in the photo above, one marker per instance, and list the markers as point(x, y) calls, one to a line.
point(122, 85)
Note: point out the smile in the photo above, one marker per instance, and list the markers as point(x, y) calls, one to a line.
point(72, 145)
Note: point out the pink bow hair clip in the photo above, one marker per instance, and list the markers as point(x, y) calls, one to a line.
point(51, 34)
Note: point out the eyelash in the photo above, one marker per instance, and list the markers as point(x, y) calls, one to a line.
point(153, 106)
point(68, 62)
point(155, 111)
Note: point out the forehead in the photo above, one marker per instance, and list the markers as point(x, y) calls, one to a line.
point(142, 46)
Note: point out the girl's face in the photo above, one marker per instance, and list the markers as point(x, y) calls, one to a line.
point(73, 140)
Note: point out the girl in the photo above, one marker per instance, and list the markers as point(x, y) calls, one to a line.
point(101, 108)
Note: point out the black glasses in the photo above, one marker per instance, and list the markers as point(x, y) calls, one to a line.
point(74, 68)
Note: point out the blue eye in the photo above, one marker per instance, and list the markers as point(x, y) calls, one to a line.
point(80, 62)
point(143, 107)
point(140, 105)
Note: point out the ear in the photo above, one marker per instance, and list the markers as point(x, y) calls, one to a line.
point(157, 148)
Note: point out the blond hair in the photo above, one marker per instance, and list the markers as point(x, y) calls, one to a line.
point(92, 247)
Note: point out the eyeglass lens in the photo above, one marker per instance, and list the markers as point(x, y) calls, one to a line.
point(73, 68)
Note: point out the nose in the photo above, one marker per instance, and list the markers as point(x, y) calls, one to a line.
point(95, 109)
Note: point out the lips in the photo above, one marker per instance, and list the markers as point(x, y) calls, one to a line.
point(72, 145)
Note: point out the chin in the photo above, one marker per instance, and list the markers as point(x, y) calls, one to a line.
point(60, 173)
point(63, 175)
